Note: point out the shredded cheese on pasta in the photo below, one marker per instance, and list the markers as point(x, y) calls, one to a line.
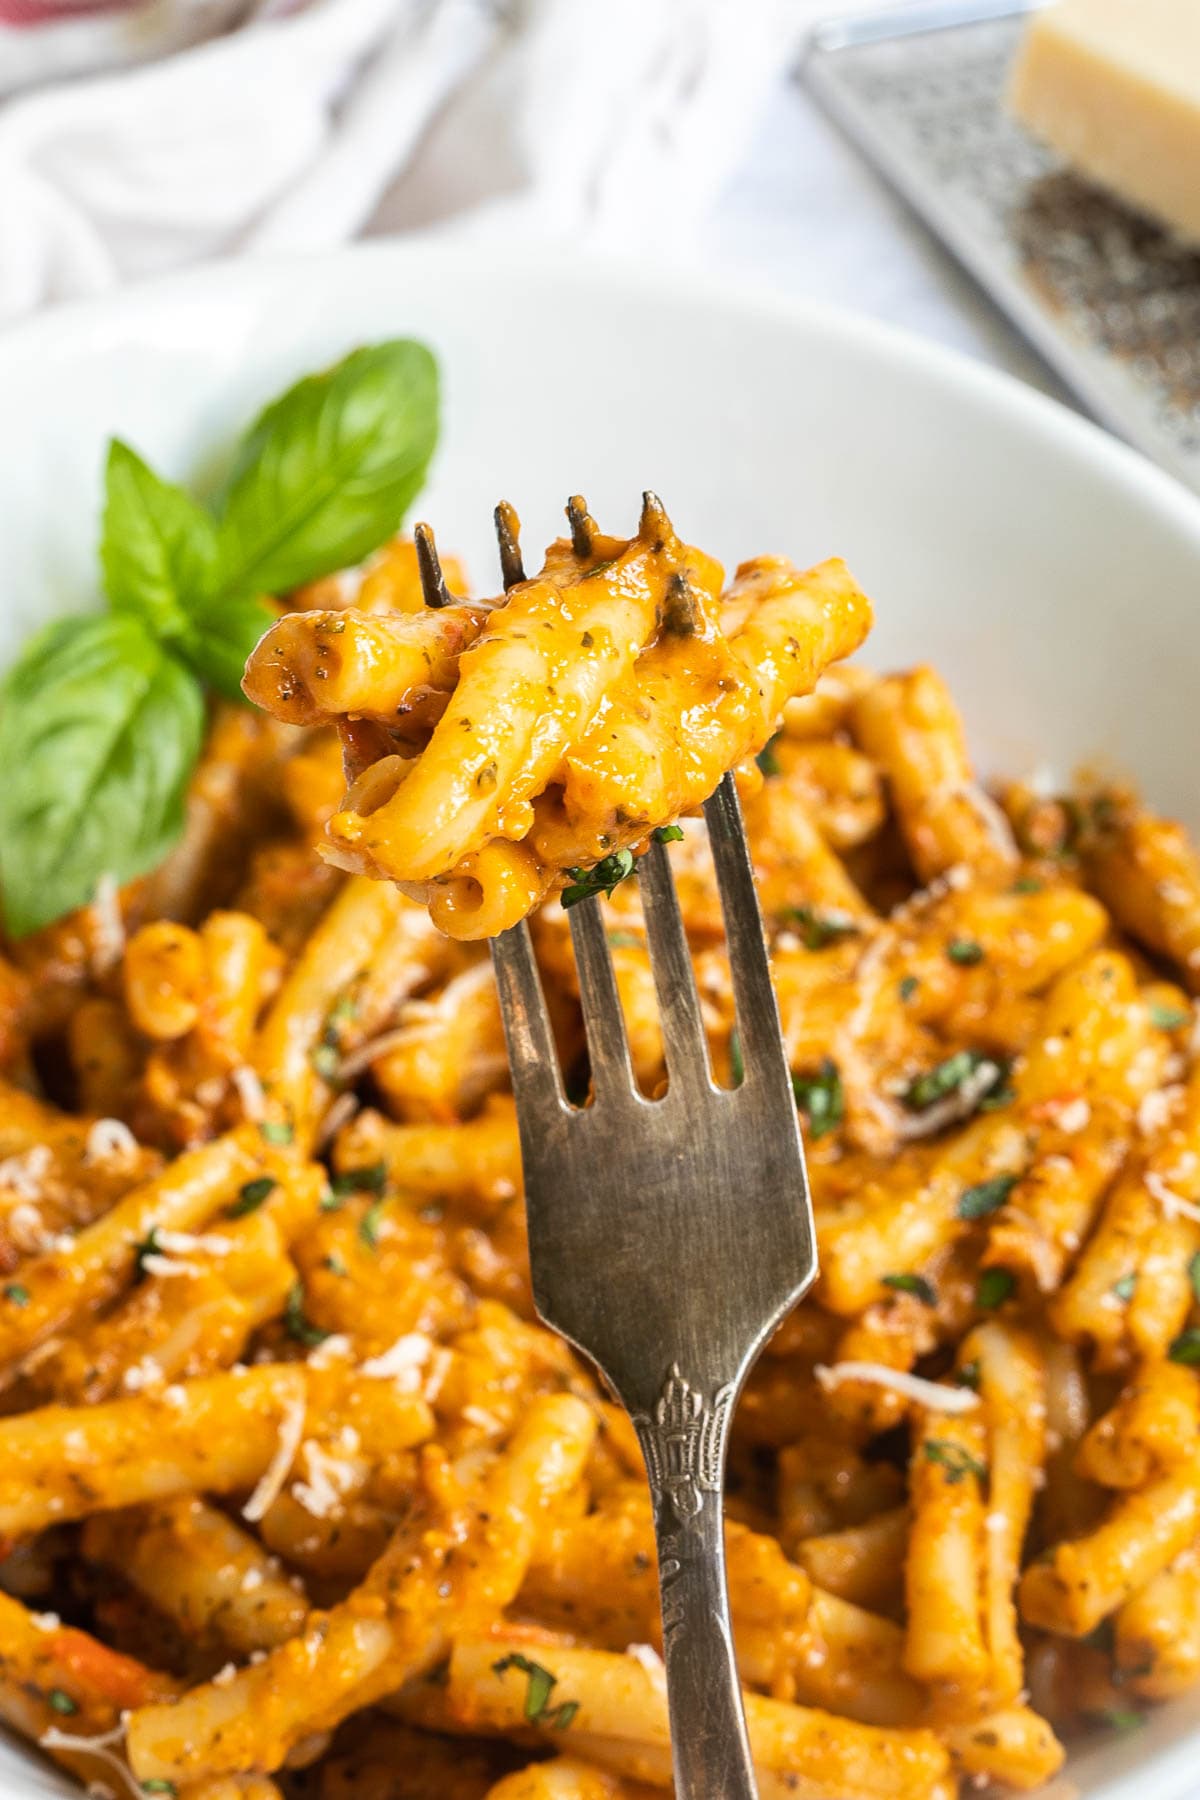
point(931, 1394)
point(274, 1476)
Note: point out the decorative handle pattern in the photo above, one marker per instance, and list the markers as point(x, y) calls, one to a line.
point(683, 1440)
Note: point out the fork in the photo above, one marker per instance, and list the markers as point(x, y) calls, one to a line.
point(667, 1238)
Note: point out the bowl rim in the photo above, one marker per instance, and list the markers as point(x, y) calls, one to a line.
point(85, 325)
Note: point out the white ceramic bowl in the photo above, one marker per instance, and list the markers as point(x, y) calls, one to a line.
point(1052, 575)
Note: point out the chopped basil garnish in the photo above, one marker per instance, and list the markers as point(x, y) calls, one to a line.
point(1186, 1348)
point(540, 1685)
point(1127, 1286)
point(995, 1286)
point(965, 952)
point(607, 875)
point(816, 929)
point(1169, 1018)
point(985, 1197)
point(277, 1131)
point(957, 1462)
point(368, 1225)
point(668, 834)
point(17, 1293)
point(251, 1196)
point(822, 1098)
point(947, 1077)
point(61, 1703)
point(912, 1284)
point(299, 1326)
point(766, 759)
point(369, 1179)
point(148, 1246)
point(326, 1059)
point(1123, 1718)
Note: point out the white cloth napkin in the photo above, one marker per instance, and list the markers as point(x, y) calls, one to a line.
point(171, 130)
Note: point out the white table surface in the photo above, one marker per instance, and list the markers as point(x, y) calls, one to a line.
point(808, 215)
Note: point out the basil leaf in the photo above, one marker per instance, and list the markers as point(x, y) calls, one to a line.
point(221, 633)
point(326, 473)
point(158, 548)
point(99, 729)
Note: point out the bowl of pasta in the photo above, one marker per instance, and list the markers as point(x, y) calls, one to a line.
point(297, 1496)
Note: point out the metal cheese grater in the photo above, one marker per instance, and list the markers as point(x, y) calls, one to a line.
point(1111, 301)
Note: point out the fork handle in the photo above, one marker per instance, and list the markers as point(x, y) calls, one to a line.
point(709, 1748)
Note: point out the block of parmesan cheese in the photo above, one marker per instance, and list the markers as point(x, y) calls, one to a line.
point(1114, 87)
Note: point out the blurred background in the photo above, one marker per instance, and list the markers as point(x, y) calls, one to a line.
point(857, 158)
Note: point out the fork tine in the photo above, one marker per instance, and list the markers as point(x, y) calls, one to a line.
point(532, 1055)
point(608, 1046)
point(674, 980)
point(508, 537)
point(429, 567)
point(754, 996)
point(583, 527)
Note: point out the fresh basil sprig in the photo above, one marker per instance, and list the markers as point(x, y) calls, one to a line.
point(329, 470)
point(102, 717)
point(100, 728)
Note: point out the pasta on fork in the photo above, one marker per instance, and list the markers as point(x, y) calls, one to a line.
point(588, 707)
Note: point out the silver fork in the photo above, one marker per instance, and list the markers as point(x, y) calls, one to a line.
point(667, 1238)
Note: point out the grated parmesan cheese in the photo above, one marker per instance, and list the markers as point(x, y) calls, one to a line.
point(269, 1488)
point(224, 1675)
point(440, 1364)
point(333, 1349)
point(359, 1061)
point(249, 1091)
point(99, 1746)
point(139, 1375)
point(931, 1394)
point(948, 1111)
point(1154, 1111)
point(167, 1266)
point(402, 1363)
point(252, 1580)
point(1074, 1116)
point(25, 1173)
point(186, 1243)
point(647, 1657)
point(482, 1419)
point(108, 927)
point(1174, 1205)
point(27, 1228)
point(109, 1139)
point(339, 1114)
point(327, 1480)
